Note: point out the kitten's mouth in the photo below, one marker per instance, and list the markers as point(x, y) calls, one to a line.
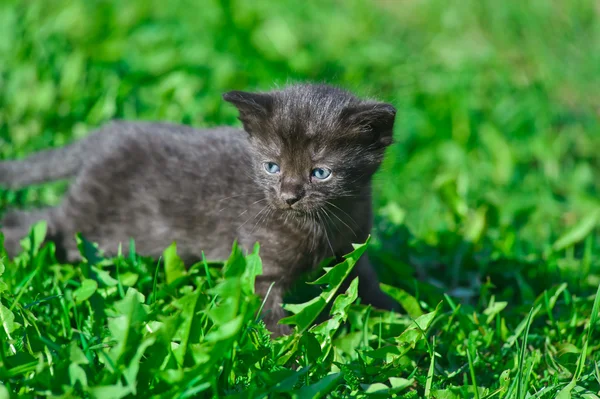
point(300, 207)
point(297, 211)
point(292, 209)
point(297, 208)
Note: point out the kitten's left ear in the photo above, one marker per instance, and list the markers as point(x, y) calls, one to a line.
point(374, 119)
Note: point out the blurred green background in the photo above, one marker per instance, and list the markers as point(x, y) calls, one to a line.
point(493, 184)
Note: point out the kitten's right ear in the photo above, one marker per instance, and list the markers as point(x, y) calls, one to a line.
point(258, 104)
point(253, 107)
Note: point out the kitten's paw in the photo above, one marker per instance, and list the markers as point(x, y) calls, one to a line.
point(279, 330)
point(11, 219)
point(12, 241)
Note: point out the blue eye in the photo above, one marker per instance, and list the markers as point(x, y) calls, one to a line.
point(321, 173)
point(271, 168)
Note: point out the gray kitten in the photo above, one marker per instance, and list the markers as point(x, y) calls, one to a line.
point(298, 180)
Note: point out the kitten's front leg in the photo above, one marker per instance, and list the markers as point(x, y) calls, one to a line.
point(368, 285)
point(272, 311)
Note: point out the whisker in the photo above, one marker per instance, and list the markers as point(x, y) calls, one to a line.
point(255, 216)
point(263, 218)
point(314, 231)
point(246, 210)
point(240, 195)
point(326, 235)
point(331, 220)
point(344, 212)
point(344, 223)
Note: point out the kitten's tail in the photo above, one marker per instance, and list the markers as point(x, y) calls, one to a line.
point(54, 164)
point(40, 167)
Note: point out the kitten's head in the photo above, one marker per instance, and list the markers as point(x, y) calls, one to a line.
point(313, 144)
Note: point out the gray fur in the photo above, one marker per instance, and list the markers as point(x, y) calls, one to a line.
point(159, 183)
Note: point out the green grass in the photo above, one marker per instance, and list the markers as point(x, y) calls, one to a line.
point(487, 207)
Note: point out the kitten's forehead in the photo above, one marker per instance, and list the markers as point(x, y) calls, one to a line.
point(313, 116)
point(310, 110)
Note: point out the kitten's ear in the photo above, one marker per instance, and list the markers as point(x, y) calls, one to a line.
point(252, 106)
point(374, 119)
point(246, 102)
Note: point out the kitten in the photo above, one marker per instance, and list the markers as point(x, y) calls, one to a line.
point(298, 180)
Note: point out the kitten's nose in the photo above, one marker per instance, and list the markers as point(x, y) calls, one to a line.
point(291, 190)
point(291, 198)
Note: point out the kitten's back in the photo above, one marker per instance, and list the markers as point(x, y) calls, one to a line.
point(67, 162)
